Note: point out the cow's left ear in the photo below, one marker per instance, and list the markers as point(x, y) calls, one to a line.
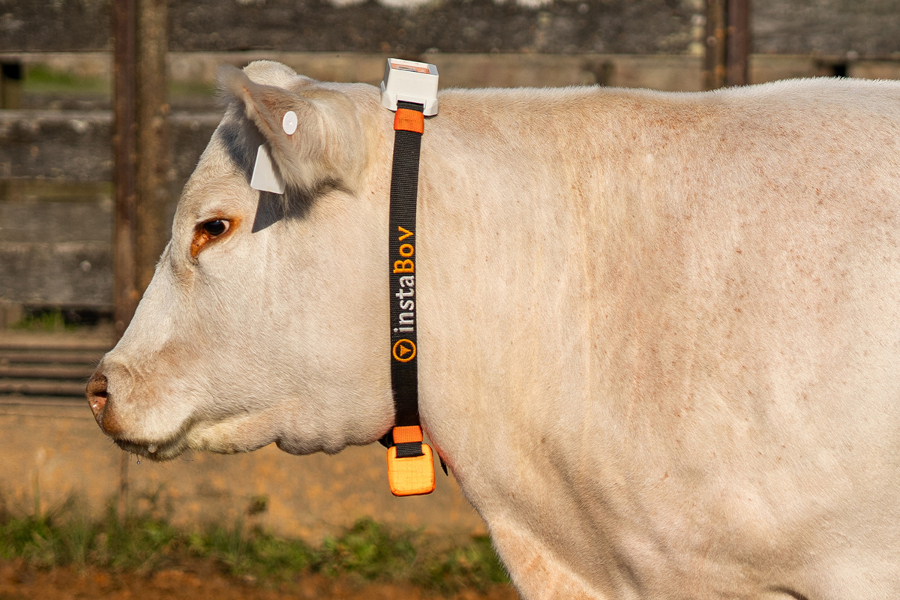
point(319, 143)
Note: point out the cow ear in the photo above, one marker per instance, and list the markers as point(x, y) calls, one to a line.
point(306, 139)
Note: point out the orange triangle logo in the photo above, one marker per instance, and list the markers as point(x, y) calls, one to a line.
point(404, 350)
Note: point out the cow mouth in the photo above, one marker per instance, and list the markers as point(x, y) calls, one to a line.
point(158, 452)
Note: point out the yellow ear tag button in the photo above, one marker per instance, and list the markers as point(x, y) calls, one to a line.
point(410, 475)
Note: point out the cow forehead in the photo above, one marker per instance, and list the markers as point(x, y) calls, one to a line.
point(223, 172)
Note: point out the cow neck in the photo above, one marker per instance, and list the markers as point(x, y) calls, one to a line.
point(410, 462)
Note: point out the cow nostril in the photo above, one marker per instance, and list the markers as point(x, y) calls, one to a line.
point(97, 394)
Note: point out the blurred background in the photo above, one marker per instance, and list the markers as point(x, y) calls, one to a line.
point(106, 105)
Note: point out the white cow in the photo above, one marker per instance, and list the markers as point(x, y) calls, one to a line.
point(659, 334)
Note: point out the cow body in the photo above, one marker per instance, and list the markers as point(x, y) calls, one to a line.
point(659, 334)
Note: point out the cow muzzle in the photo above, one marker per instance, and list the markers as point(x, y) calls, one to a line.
point(109, 393)
point(100, 402)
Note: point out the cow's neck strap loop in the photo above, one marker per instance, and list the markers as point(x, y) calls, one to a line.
point(410, 462)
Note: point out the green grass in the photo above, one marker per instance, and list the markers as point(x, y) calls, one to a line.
point(183, 88)
point(47, 320)
point(40, 79)
point(366, 551)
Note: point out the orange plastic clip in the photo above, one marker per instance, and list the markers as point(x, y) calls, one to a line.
point(410, 475)
point(406, 119)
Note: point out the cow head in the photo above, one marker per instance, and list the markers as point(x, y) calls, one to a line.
point(266, 316)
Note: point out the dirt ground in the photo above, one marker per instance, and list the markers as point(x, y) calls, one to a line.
point(200, 581)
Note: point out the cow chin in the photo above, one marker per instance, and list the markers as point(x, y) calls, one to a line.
point(156, 452)
point(221, 438)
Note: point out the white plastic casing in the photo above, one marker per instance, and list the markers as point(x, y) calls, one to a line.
point(410, 81)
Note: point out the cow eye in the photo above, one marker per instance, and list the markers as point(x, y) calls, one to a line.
point(209, 232)
point(216, 228)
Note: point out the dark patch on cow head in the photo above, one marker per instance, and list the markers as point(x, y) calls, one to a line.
point(241, 143)
point(269, 210)
point(293, 204)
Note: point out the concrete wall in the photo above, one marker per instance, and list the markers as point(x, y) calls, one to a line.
point(864, 28)
point(854, 28)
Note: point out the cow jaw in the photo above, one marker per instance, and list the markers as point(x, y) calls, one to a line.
point(156, 420)
point(240, 434)
point(228, 437)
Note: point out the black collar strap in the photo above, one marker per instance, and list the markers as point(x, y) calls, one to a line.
point(410, 461)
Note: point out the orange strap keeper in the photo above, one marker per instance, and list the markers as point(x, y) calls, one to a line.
point(409, 120)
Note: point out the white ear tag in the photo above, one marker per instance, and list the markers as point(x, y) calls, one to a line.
point(266, 177)
point(289, 122)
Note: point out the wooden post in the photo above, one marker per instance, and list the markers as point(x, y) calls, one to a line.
point(727, 43)
point(125, 295)
point(738, 51)
point(140, 144)
point(714, 65)
point(152, 138)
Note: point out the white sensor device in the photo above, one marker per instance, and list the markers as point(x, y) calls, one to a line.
point(410, 81)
